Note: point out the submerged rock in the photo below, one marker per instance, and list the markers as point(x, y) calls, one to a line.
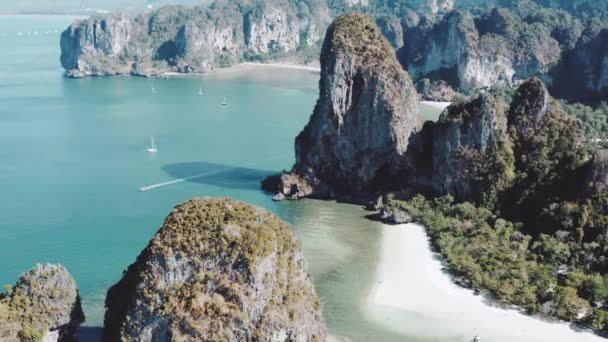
point(43, 305)
point(367, 109)
point(217, 269)
point(278, 197)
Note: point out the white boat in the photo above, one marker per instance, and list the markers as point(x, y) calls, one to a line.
point(153, 90)
point(152, 148)
point(200, 92)
point(224, 103)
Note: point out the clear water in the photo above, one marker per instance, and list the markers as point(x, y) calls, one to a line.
point(73, 158)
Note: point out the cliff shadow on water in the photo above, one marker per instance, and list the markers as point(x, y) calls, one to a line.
point(220, 175)
point(89, 334)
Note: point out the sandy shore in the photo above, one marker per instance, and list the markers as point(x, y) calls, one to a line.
point(436, 104)
point(414, 296)
point(283, 65)
point(246, 66)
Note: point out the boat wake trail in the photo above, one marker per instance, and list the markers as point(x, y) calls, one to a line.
point(160, 185)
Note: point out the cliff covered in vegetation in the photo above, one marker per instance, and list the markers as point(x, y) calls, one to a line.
point(367, 109)
point(42, 305)
point(484, 48)
point(217, 270)
point(181, 39)
point(467, 44)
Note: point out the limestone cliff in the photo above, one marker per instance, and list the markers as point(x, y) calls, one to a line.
point(502, 43)
point(583, 75)
point(487, 151)
point(391, 28)
point(181, 39)
point(359, 131)
point(548, 151)
point(472, 53)
point(217, 270)
point(43, 305)
point(470, 153)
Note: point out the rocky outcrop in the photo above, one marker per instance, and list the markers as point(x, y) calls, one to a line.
point(359, 131)
point(390, 27)
point(468, 154)
point(216, 270)
point(180, 39)
point(435, 90)
point(596, 174)
point(43, 305)
point(473, 53)
point(489, 152)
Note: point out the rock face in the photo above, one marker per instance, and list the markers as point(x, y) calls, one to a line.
point(596, 173)
point(390, 27)
point(546, 141)
point(472, 53)
point(473, 48)
point(584, 72)
point(367, 109)
point(467, 148)
point(515, 155)
point(217, 270)
point(43, 305)
point(181, 39)
point(435, 90)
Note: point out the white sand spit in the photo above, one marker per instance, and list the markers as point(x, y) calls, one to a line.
point(414, 296)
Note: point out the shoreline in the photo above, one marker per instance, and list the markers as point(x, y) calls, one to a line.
point(295, 66)
point(242, 67)
point(414, 295)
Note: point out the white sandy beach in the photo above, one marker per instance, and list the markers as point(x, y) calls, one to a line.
point(414, 296)
point(283, 65)
point(245, 66)
point(436, 104)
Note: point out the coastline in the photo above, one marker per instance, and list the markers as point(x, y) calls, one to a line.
point(245, 66)
point(284, 66)
point(413, 294)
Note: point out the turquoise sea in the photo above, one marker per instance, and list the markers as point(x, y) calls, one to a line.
point(73, 158)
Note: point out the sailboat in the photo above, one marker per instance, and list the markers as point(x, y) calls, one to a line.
point(224, 103)
point(153, 90)
point(152, 148)
point(200, 91)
